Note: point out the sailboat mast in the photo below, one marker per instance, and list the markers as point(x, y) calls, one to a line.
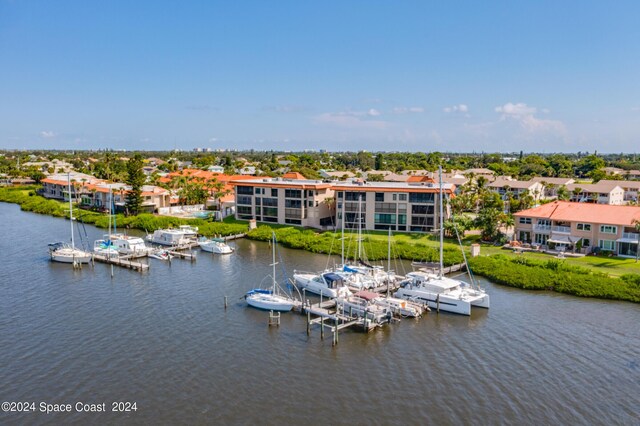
point(359, 226)
point(342, 224)
point(441, 214)
point(73, 244)
point(389, 262)
point(273, 258)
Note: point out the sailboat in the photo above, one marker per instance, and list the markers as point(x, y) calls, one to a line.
point(105, 246)
point(270, 299)
point(438, 291)
point(65, 253)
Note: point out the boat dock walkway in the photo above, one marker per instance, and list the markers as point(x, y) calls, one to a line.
point(124, 261)
point(434, 267)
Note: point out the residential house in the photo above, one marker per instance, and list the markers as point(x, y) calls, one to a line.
point(516, 188)
point(631, 189)
point(336, 175)
point(599, 193)
point(215, 169)
point(583, 227)
point(551, 184)
point(56, 186)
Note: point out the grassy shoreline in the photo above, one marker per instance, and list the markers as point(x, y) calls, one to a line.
point(616, 279)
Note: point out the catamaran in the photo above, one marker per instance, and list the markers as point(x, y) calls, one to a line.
point(65, 253)
point(270, 299)
point(438, 291)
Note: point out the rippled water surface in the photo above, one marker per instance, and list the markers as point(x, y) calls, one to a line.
point(164, 340)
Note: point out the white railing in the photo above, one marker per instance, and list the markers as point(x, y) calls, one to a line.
point(563, 229)
point(542, 228)
point(630, 235)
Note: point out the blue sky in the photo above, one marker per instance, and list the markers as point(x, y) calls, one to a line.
point(339, 75)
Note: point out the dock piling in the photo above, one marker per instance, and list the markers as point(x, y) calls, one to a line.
point(225, 303)
point(308, 323)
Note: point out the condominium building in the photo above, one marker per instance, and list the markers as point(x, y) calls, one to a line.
point(582, 227)
point(390, 205)
point(300, 202)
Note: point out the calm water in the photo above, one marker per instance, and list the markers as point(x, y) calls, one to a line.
point(164, 340)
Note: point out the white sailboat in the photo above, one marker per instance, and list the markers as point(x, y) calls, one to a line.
point(61, 252)
point(270, 299)
point(438, 291)
point(105, 246)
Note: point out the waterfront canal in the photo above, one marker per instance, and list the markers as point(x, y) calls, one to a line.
point(163, 339)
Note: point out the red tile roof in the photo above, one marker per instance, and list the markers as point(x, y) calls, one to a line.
point(584, 212)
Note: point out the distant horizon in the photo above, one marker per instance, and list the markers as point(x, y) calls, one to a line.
point(420, 76)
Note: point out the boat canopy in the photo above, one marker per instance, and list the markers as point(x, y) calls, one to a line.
point(367, 295)
point(333, 280)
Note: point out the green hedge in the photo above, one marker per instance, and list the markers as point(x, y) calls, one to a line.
point(328, 242)
point(29, 201)
point(556, 275)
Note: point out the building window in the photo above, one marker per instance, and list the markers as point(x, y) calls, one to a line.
point(292, 193)
point(608, 229)
point(356, 196)
point(244, 190)
point(541, 239)
point(525, 236)
point(379, 196)
point(525, 220)
point(607, 245)
point(544, 222)
point(243, 200)
point(271, 202)
point(395, 197)
point(258, 201)
point(293, 221)
point(340, 195)
point(270, 211)
point(385, 207)
point(420, 197)
point(586, 242)
point(422, 209)
point(402, 197)
point(583, 227)
point(293, 204)
point(384, 218)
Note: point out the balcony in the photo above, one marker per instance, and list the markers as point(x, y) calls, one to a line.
point(542, 229)
point(630, 236)
point(561, 229)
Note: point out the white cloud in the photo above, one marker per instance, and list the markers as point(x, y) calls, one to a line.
point(213, 140)
point(373, 112)
point(47, 134)
point(351, 119)
point(462, 108)
point(525, 116)
point(406, 110)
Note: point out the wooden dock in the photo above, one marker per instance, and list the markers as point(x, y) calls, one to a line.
point(124, 261)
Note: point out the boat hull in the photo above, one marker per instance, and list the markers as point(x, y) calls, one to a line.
point(269, 302)
point(306, 281)
point(216, 248)
point(69, 257)
point(444, 303)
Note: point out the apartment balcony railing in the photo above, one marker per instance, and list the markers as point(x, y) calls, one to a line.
point(630, 235)
point(561, 229)
point(545, 229)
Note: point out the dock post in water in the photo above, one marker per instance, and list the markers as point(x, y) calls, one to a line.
point(225, 302)
point(335, 335)
point(308, 323)
point(438, 303)
point(321, 328)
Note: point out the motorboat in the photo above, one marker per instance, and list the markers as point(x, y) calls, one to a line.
point(327, 284)
point(363, 304)
point(215, 245)
point(161, 255)
point(440, 292)
point(182, 235)
point(270, 299)
point(105, 247)
point(128, 244)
